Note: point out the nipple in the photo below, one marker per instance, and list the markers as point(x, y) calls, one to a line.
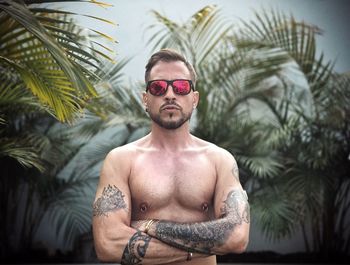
point(143, 207)
point(205, 207)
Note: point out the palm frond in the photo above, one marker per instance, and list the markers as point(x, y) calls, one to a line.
point(13, 93)
point(273, 213)
point(23, 151)
point(197, 38)
point(298, 39)
point(49, 53)
point(70, 209)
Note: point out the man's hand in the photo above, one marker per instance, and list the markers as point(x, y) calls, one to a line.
point(139, 225)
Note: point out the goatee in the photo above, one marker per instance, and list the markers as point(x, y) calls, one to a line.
point(170, 124)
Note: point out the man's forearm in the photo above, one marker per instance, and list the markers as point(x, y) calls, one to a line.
point(143, 249)
point(204, 237)
point(197, 237)
point(136, 248)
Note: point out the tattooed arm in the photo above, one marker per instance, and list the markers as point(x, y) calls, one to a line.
point(115, 240)
point(228, 233)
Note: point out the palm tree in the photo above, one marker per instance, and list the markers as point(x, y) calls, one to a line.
point(313, 144)
point(46, 65)
point(48, 70)
point(62, 195)
point(316, 151)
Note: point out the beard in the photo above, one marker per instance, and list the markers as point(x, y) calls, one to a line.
point(172, 123)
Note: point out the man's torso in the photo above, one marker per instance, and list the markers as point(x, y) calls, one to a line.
point(177, 187)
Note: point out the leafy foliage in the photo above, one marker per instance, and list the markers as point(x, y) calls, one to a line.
point(48, 52)
point(48, 67)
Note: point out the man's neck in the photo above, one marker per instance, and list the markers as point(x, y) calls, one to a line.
point(171, 140)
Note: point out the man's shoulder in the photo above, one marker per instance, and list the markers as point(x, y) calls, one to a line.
point(216, 154)
point(212, 149)
point(125, 151)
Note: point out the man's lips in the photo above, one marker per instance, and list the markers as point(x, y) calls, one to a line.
point(170, 107)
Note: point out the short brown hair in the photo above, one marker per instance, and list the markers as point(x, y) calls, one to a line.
point(168, 55)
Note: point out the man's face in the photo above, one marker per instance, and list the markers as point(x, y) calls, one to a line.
point(170, 110)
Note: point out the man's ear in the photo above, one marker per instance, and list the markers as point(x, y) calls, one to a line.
point(195, 99)
point(145, 100)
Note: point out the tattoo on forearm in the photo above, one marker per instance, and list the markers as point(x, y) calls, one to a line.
point(202, 237)
point(136, 249)
point(235, 171)
point(198, 237)
point(112, 199)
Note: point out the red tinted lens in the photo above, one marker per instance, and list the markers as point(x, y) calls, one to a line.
point(182, 87)
point(157, 88)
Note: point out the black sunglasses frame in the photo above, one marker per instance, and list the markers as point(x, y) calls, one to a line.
point(170, 82)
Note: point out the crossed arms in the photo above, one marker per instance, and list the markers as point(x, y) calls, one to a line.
point(117, 239)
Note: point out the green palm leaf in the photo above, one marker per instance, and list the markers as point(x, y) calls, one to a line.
point(49, 55)
point(22, 150)
point(13, 93)
point(273, 213)
point(196, 38)
point(298, 39)
point(70, 210)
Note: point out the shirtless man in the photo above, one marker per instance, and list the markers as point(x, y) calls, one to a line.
point(169, 197)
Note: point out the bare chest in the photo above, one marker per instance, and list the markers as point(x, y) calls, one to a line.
point(171, 185)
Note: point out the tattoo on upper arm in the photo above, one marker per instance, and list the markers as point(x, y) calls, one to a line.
point(231, 206)
point(235, 171)
point(136, 249)
point(112, 199)
point(202, 237)
point(246, 211)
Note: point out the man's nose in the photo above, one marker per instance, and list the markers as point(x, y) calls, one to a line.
point(170, 93)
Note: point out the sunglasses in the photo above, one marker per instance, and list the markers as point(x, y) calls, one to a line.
point(159, 87)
